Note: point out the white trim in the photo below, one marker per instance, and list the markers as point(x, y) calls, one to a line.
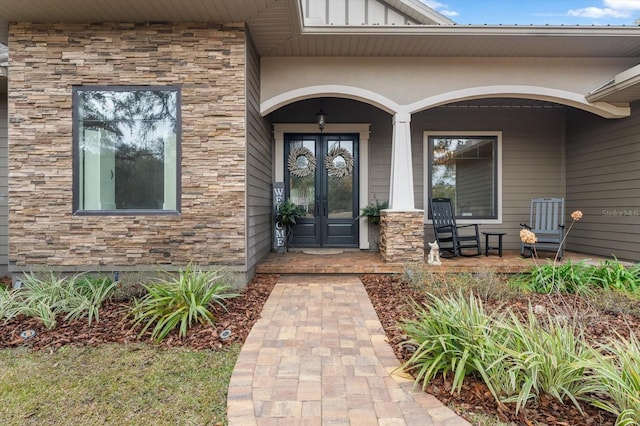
point(401, 185)
point(622, 81)
point(329, 90)
point(279, 130)
point(363, 164)
point(563, 97)
point(427, 15)
point(564, 31)
point(427, 177)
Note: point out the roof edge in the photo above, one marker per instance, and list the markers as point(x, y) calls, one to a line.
point(476, 30)
point(625, 80)
point(423, 13)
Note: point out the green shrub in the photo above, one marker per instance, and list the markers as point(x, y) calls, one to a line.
point(7, 303)
point(580, 278)
point(517, 360)
point(568, 278)
point(541, 358)
point(613, 275)
point(449, 336)
point(619, 373)
point(86, 295)
point(181, 301)
point(44, 297)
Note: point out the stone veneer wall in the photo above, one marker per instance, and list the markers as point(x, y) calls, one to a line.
point(402, 236)
point(208, 62)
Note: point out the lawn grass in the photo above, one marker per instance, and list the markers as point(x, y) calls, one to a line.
point(115, 384)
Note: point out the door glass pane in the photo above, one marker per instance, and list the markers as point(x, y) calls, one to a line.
point(301, 164)
point(339, 165)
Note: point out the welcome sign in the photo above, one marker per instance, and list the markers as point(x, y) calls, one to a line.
point(279, 233)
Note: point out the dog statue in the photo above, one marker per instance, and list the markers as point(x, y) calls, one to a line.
point(434, 254)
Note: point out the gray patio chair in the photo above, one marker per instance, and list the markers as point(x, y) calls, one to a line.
point(447, 232)
point(547, 222)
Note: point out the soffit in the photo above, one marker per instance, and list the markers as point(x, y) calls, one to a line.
point(270, 21)
point(276, 29)
point(131, 11)
point(468, 41)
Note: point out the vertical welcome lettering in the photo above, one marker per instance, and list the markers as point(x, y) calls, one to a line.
point(278, 230)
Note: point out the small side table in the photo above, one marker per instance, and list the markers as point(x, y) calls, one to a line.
point(487, 247)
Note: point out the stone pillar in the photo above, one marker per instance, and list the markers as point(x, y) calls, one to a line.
point(402, 236)
point(401, 186)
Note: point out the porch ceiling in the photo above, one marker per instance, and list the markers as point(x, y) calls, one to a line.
point(277, 29)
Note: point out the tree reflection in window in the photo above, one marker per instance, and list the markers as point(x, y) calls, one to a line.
point(127, 146)
point(464, 169)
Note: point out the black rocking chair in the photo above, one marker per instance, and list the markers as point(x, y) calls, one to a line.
point(447, 231)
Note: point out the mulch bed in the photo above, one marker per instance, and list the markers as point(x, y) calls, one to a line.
point(389, 297)
point(115, 325)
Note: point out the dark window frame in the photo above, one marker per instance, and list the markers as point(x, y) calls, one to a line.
point(496, 165)
point(76, 90)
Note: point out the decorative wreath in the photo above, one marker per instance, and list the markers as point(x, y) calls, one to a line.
point(340, 171)
point(295, 169)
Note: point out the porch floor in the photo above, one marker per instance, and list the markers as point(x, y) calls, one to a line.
point(354, 261)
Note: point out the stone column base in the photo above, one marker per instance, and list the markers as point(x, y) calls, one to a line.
point(402, 236)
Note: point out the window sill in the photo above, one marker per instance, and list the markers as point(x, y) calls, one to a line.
point(127, 213)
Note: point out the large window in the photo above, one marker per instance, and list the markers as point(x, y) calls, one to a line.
point(464, 168)
point(126, 149)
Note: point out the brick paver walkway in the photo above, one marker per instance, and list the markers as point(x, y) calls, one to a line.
point(318, 356)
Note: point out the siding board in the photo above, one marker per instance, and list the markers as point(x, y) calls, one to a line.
point(603, 180)
point(531, 157)
point(259, 165)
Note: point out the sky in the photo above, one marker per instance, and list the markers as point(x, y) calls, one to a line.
point(539, 12)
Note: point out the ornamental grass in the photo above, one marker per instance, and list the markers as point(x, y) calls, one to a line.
point(181, 301)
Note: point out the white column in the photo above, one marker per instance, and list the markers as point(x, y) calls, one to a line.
point(401, 190)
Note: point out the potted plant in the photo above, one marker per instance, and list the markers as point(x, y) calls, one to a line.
point(287, 215)
point(372, 212)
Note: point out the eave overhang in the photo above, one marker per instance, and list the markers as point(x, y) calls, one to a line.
point(623, 88)
point(277, 28)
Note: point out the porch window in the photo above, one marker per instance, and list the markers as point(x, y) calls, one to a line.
point(126, 149)
point(464, 168)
